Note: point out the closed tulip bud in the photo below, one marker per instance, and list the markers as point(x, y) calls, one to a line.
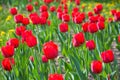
point(77, 2)
point(78, 39)
point(29, 7)
point(44, 59)
point(92, 28)
point(93, 19)
point(7, 51)
point(55, 77)
point(113, 12)
point(78, 19)
point(90, 14)
point(45, 14)
point(90, 44)
point(52, 8)
point(43, 8)
point(59, 15)
point(19, 30)
point(107, 56)
point(65, 18)
point(96, 11)
point(25, 21)
point(18, 18)
point(35, 20)
point(31, 58)
point(100, 25)
point(26, 34)
point(117, 16)
point(50, 50)
point(33, 14)
point(43, 20)
point(13, 11)
point(59, 9)
point(96, 66)
point(99, 7)
point(13, 42)
point(63, 27)
point(101, 18)
point(85, 27)
point(75, 9)
point(31, 41)
point(7, 63)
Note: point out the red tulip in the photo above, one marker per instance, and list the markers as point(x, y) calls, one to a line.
point(90, 44)
point(7, 51)
point(78, 39)
point(93, 19)
point(65, 11)
point(55, 77)
point(59, 15)
point(117, 16)
point(75, 9)
point(85, 27)
point(31, 41)
point(36, 3)
point(100, 25)
point(7, 63)
point(90, 14)
point(110, 20)
point(31, 58)
point(44, 59)
point(78, 19)
point(45, 14)
point(43, 8)
point(92, 27)
point(29, 7)
point(107, 56)
point(18, 18)
point(13, 11)
point(13, 42)
point(20, 30)
point(52, 8)
point(25, 21)
point(63, 27)
point(96, 11)
point(118, 38)
point(65, 6)
point(48, 1)
point(99, 7)
point(96, 67)
point(33, 14)
point(43, 20)
point(59, 9)
point(26, 34)
point(48, 22)
point(35, 19)
point(50, 50)
point(65, 18)
point(113, 12)
point(101, 18)
point(77, 2)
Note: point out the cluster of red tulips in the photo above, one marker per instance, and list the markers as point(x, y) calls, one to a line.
point(91, 23)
